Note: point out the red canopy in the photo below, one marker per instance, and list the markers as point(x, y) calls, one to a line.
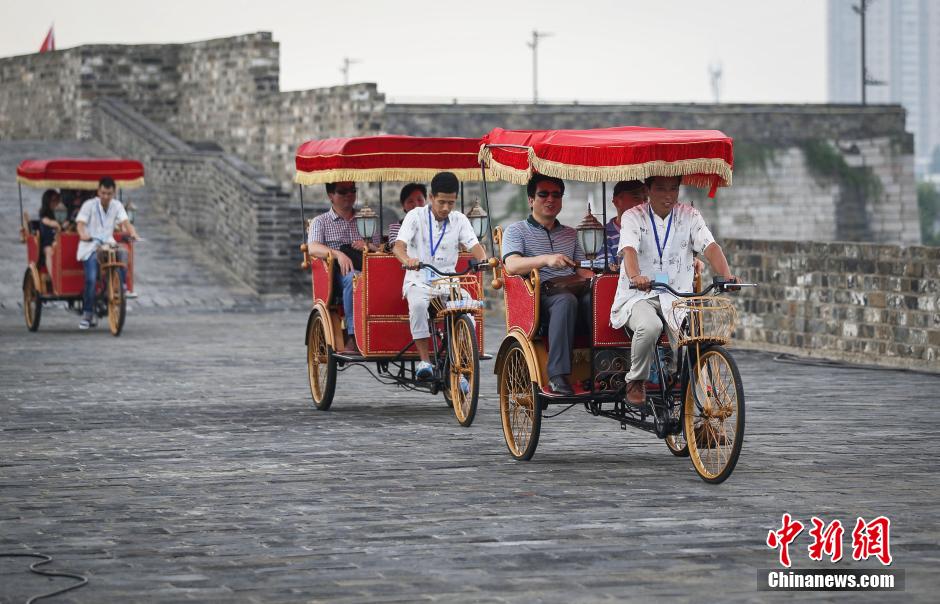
point(704, 158)
point(386, 158)
point(67, 173)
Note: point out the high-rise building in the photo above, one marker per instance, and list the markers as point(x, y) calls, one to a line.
point(902, 45)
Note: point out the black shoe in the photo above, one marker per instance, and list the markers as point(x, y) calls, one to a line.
point(559, 384)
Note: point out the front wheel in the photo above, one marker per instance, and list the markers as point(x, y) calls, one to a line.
point(117, 303)
point(321, 363)
point(519, 406)
point(713, 416)
point(32, 303)
point(463, 369)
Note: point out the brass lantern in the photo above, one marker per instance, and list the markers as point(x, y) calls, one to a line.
point(366, 221)
point(478, 220)
point(591, 235)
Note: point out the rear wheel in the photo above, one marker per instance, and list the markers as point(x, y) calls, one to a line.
point(713, 415)
point(321, 363)
point(32, 304)
point(463, 369)
point(519, 405)
point(117, 304)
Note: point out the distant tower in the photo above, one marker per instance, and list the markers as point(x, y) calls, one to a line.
point(714, 74)
point(345, 69)
point(534, 45)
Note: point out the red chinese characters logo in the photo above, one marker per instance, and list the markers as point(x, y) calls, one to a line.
point(784, 537)
point(828, 541)
point(869, 539)
point(872, 539)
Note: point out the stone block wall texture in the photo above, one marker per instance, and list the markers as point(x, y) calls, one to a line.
point(776, 194)
point(239, 216)
point(219, 94)
point(864, 303)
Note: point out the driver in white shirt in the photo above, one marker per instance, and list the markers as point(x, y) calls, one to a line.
point(432, 234)
point(96, 222)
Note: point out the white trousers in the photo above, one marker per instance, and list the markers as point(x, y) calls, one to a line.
point(419, 298)
point(646, 326)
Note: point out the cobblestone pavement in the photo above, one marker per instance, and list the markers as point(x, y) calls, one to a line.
point(184, 461)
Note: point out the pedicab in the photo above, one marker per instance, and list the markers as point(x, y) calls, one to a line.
point(699, 410)
point(383, 334)
point(67, 281)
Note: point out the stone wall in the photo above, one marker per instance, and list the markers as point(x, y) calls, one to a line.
point(874, 304)
point(238, 215)
point(779, 192)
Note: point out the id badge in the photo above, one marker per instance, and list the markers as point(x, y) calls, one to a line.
point(429, 275)
point(662, 278)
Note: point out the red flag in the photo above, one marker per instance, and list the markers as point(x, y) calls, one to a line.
point(48, 44)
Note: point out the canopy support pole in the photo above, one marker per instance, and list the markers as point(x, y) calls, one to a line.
point(19, 189)
point(489, 214)
point(381, 222)
point(604, 213)
point(303, 218)
point(461, 199)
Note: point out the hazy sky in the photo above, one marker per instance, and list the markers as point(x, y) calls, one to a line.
point(600, 50)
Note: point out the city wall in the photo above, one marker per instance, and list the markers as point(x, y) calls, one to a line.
point(239, 216)
point(864, 303)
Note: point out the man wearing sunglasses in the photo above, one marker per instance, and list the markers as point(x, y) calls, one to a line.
point(333, 230)
point(541, 242)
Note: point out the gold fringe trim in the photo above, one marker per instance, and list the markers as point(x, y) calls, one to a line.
point(83, 185)
point(384, 174)
point(696, 172)
point(502, 171)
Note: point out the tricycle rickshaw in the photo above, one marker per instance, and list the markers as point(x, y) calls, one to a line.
point(66, 282)
point(380, 313)
point(699, 411)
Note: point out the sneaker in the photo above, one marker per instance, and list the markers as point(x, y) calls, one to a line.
point(464, 385)
point(424, 371)
point(130, 295)
point(93, 322)
point(84, 323)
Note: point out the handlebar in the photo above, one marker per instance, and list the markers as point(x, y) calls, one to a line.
point(722, 285)
point(473, 266)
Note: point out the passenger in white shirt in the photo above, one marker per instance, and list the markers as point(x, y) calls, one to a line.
point(657, 240)
point(97, 220)
point(432, 235)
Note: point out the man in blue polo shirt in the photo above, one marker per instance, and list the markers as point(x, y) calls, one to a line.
point(541, 242)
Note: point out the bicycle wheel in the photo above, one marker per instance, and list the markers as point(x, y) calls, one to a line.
point(463, 362)
point(32, 304)
point(519, 406)
point(714, 414)
point(117, 303)
point(321, 364)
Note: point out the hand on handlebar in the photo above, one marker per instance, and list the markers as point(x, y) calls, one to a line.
point(412, 264)
point(641, 282)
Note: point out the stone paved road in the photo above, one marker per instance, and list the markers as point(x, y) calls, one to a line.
point(184, 461)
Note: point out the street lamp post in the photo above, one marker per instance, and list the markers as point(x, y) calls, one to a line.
point(534, 45)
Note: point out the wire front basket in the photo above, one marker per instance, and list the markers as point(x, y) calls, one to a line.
point(449, 295)
point(711, 319)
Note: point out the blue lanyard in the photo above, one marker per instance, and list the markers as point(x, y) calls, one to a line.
point(434, 246)
point(102, 217)
point(659, 248)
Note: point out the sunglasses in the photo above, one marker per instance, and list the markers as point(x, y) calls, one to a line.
point(346, 191)
point(545, 194)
